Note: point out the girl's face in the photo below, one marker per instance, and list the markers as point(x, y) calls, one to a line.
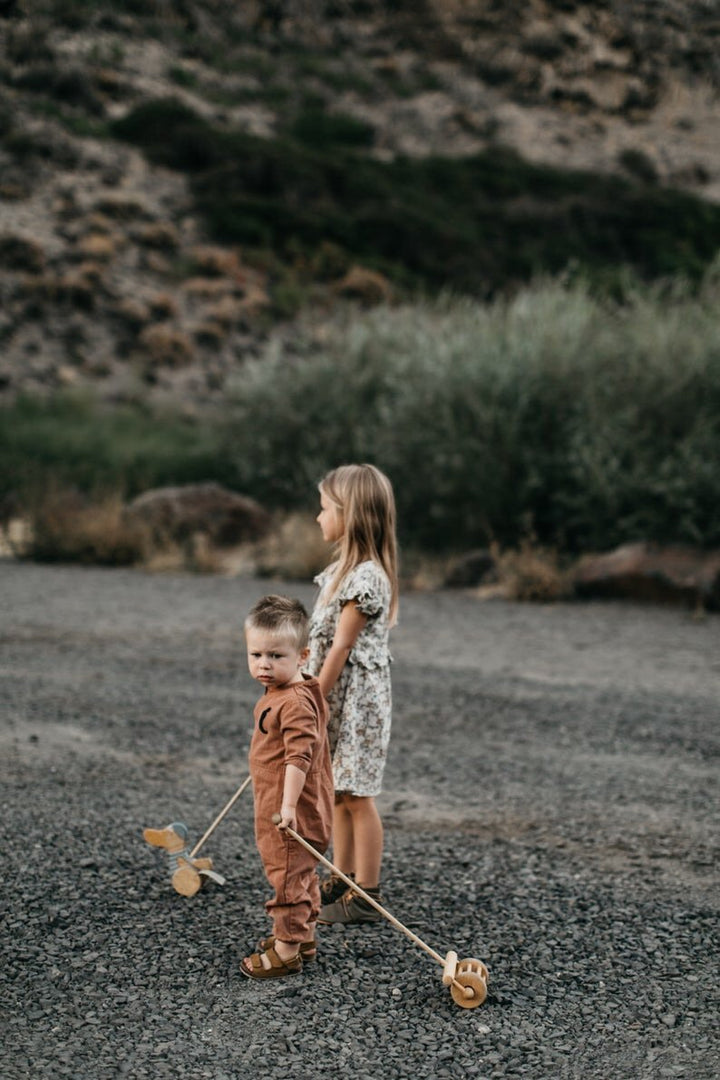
point(330, 520)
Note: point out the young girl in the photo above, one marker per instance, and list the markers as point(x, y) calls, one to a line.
point(355, 609)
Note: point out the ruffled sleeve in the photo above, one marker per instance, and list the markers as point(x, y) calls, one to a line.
point(368, 586)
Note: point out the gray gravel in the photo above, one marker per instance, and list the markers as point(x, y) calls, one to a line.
point(550, 806)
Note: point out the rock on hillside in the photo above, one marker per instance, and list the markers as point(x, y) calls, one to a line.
point(108, 278)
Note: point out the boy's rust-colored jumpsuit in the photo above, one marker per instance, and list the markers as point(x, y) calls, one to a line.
point(291, 729)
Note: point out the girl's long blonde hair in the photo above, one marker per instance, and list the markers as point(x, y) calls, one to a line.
point(364, 496)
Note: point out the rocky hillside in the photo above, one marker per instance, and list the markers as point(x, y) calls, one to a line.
point(151, 260)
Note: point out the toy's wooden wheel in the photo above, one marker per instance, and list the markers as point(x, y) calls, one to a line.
point(186, 880)
point(475, 982)
point(477, 966)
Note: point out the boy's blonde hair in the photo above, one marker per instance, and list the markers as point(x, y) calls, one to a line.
point(283, 616)
point(364, 497)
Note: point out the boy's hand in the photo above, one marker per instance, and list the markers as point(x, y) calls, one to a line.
point(288, 817)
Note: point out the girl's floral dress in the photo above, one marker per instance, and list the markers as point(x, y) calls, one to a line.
point(360, 702)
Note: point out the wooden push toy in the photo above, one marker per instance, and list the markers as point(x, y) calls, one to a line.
point(187, 873)
point(467, 979)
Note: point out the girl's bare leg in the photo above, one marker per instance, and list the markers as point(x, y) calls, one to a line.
point(367, 838)
point(343, 842)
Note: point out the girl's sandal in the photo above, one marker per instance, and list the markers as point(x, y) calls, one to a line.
point(253, 967)
point(307, 949)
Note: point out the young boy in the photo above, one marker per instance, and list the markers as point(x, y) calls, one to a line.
point(291, 772)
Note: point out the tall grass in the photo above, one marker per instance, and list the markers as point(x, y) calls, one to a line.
point(69, 441)
point(554, 416)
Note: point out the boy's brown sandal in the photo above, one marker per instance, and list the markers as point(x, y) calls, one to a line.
point(253, 967)
point(307, 949)
point(350, 908)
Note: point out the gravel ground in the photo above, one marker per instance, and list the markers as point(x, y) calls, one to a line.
point(550, 807)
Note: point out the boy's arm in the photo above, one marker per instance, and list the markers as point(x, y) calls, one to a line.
point(350, 623)
point(300, 732)
point(294, 783)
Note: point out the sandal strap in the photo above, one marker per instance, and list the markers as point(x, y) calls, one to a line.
point(255, 962)
point(274, 959)
point(292, 965)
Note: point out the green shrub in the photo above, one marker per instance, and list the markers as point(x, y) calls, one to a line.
point(182, 76)
point(554, 415)
point(28, 42)
point(577, 422)
point(71, 86)
point(69, 442)
point(173, 135)
point(475, 224)
point(639, 164)
point(315, 127)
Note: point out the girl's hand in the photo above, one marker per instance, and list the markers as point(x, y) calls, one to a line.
point(350, 624)
point(288, 815)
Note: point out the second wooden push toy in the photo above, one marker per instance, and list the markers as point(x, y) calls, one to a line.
point(188, 873)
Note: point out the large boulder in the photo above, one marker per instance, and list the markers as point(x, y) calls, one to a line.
point(178, 513)
point(645, 571)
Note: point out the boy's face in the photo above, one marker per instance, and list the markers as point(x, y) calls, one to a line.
point(274, 661)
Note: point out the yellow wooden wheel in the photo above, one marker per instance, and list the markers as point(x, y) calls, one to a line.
point(469, 980)
point(186, 879)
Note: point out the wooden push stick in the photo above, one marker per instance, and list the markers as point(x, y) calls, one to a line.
point(449, 964)
point(226, 809)
point(361, 892)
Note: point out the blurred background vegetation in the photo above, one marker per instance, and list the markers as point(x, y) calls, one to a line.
point(576, 420)
point(473, 224)
point(540, 360)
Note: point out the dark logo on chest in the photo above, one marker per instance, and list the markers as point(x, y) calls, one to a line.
point(262, 716)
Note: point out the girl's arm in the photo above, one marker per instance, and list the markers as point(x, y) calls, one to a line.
point(350, 623)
